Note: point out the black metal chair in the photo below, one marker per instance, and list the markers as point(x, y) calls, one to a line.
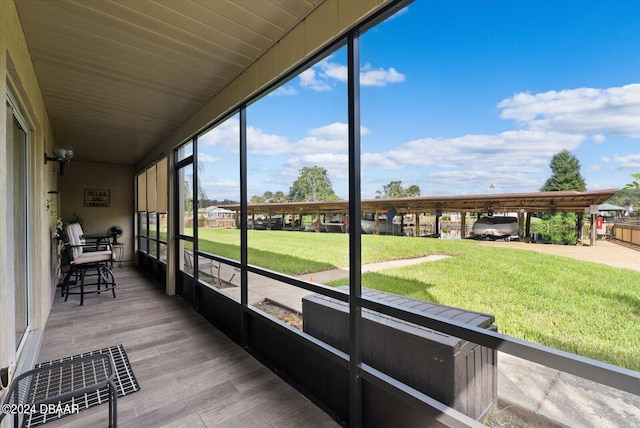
point(55, 383)
point(205, 265)
point(89, 266)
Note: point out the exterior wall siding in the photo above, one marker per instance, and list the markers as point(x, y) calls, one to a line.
point(17, 74)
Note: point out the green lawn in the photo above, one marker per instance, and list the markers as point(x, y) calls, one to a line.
point(585, 308)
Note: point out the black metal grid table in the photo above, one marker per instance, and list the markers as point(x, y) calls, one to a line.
point(59, 381)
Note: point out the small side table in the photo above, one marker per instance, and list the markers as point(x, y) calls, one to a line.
point(118, 249)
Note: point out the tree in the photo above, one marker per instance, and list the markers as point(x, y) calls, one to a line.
point(312, 184)
point(395, 190)
point(629, 195)
point(635, 183)
point(279, 197)
point(269, 197)
point(565, 174)
point(625, 197)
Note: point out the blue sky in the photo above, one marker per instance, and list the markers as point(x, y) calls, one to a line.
point(458, 97)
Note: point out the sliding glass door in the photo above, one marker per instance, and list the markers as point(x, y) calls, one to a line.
point(17, 224)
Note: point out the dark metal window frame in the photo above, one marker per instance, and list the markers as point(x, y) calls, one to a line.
point(606, 374)
point(180, 164)
point(147, 235)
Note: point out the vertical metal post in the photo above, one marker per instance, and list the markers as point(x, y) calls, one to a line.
point(579, 227)
point(194, 206)
point(355, 240)
point(244, 251)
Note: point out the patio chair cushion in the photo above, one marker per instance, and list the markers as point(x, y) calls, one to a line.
point(78, 229)
point(92, 257)
point(77, 250)
point(74, 240)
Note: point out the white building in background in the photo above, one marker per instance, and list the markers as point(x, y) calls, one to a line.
point(220, 217)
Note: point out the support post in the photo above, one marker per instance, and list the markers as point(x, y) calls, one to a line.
point(244, 211)
point(521, 225)
point(355, 244)
point(579, 226)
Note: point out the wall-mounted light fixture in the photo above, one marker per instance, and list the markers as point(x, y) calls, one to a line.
point(61, 154)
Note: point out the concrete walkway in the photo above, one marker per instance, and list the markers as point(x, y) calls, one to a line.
point(529, 395)
point(532, 395)
point(290, 297)
point(604, 252)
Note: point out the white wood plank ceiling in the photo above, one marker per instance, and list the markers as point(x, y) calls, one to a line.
point(119, 75)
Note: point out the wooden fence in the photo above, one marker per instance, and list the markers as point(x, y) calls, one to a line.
point(627, 233)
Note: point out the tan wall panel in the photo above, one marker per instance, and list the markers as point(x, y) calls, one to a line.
point(321, 26)
point(232, 92)
point(290, 49)
point(246, 84)
point(353, 11)
point(267, 68)
point(118, 179)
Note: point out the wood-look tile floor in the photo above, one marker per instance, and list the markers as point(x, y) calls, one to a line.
point(191, 374)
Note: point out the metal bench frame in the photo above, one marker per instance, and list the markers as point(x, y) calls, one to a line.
point(63, 380)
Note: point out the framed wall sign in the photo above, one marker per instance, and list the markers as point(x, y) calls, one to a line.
point(97, 198)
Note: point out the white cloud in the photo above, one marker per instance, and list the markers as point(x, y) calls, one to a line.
point(378, 161)
point(333, 130)
point(474, 181)
point(517, 150)
point(379, 76)
point(323, 76)
point(512, 161)
point(259, 143)
point(309, 80)
point(223, 137)
point(284, 90)
point(332, 138)
point(599, 138)
point(334, 70)
point(336, 164)
point(207, 158)
point(221, 189)
point(628, 161)
point(313, 145)
point(584, 110)
point(225, 184)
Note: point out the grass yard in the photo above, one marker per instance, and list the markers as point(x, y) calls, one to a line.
point(585, 308)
